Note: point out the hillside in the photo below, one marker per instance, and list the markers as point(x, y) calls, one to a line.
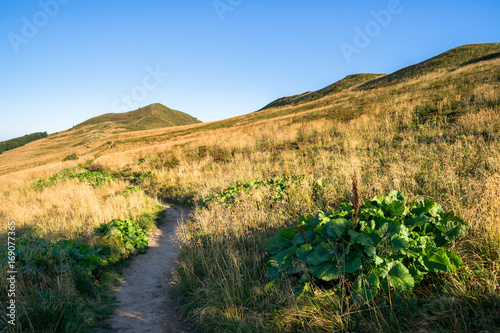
point(93, 136)
point(149, 117)
point(431, 132)
point(453, 83)
point(345, 83)
point(449, 60)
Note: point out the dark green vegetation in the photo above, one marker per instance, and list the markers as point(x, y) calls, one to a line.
point(21, 141)
point(390, 245)
point(148, 117)
point(72, 157)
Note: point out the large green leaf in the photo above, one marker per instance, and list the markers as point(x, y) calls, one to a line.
point(327, 271)
point(455, 260)
point(283, 239)
point(436, 260)
point(365, 288)
point(284, 258)
point(321, 253)
point(338, 227)
point(399, 244)
point(299, 239)
point(396, 208)
point(452, 227)
point(352, 261)
point(304, 251)
point(399, 277)
point(395, 196)
point(426, 207)
point(415, 222)
point(366, 238)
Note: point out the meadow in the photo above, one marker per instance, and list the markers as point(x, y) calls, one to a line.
point(435, 135)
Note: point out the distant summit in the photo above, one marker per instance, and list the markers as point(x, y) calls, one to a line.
point(149, 117)
point(448, 61)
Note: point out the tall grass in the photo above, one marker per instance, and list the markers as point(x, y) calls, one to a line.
point(436, 136)
point(60, 297)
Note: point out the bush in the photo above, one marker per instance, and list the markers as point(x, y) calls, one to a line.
point(71, 157)
point(130, 235)
point(390, 244)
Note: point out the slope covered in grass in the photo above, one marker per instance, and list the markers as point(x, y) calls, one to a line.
point(345, 83)
point(449, 60)
point(149, 117)
point(433, 136)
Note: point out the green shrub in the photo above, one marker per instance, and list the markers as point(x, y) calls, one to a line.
point(92, 178)
point(390, 244)
point(130, 235)
point(71, 157)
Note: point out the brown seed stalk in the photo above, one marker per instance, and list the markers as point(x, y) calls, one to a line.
point(355, 200)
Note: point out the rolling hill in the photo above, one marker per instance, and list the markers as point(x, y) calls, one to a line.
point(448, 61)
point(149, 117)
point(431, 130)
point(454, 83)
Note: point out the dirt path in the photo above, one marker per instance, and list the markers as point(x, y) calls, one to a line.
point(143, 297)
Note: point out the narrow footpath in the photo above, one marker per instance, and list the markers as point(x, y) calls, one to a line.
point(143, 297)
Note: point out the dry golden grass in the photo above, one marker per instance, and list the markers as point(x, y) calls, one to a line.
point(221, 275)
point(72, 209)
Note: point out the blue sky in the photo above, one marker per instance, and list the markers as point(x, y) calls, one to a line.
point(64, 61)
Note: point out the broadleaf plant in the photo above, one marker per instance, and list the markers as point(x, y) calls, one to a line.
point(394, 244)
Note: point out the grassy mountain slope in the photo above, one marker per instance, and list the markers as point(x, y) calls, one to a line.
point(449, 60)
point(345, 83)
point(149, 117)
point(443, 92)
point(93, 136)
point(435, 134)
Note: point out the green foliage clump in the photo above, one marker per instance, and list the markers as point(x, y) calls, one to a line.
point(130, 189)
point(278, 187)
point(92, 178)
point(37, 255)
point(71, 157)
point(390, 244)
point(129, 235)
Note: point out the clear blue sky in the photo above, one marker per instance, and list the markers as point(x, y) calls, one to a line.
point(84, 57)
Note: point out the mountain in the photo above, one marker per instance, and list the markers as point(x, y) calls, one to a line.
point(449, 61)
point(345, 83)
point(455, 83)
point(149, 117)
